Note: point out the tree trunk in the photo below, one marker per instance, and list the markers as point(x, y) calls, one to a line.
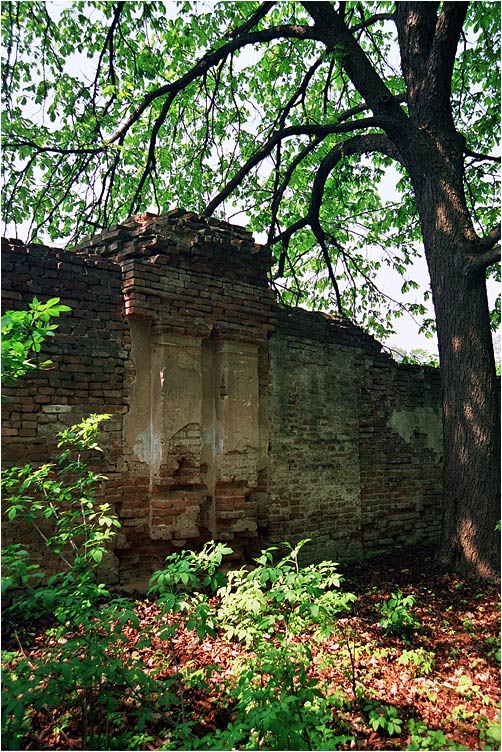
point(471, 428)
point(471, 411)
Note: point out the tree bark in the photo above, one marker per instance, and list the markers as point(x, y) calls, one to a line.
point(471, 426)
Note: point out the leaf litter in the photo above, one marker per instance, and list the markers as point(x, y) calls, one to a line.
point(445, 675)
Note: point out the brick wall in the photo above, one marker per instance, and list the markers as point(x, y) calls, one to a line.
point(197, 301)
point(88, 365)
point(400, 454)
point(235, 418)
point(355, 441)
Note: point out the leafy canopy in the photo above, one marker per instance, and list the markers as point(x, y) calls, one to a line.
point(114, 108)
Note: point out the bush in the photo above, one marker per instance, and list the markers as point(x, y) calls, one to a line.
point(396, 616)
point(58, 500)
point(281, 597)
point(275, 704)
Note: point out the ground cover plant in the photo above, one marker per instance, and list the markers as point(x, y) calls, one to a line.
point(274, 657)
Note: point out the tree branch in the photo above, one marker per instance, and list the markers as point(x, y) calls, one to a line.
point(356, 145)
point(253, 19)
point(415, 23)
point(428, 44)
point(209, 60)
point(481, 261)
point(15, 144)
point(108, 46)
point(285, 236)
point(373, 19)
point(281, 188)
point(331, 29)
point(293, 130)
point(488, 252)
point(493, 237)
point(321, 239)
point(481, 157)
point(444, 46)
point(361, 144)
point(299, 92)
point(151, 158)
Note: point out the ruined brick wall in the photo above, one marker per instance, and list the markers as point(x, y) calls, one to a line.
point(234, 418)
point(355, 441)
point(400, 454)
point(88, 366)
point(199, 309)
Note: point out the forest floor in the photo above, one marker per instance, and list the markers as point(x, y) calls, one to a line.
point(442, 680)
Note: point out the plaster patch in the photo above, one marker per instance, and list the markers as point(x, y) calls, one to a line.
point(56, 409)
point(147, 448)
point(421, 420)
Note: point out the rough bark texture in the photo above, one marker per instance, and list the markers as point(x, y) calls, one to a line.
point(470, 428)
point(471, 433)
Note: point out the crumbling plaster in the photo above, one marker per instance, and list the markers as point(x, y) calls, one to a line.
point(425, 421)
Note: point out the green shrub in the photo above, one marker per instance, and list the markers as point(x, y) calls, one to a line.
point(188, 571)
point(58, 500)
point(22, 335)
point(275, 703)
point(396, 616)
point(63, 494)
point(421, 737)
point(384, 719)
point(281, 597)
point(489, 733)
point(421, 660)
point(83, 672)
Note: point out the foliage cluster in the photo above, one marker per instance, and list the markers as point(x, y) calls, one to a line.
point(22, 335)
point(397, 616)
point(58, 500)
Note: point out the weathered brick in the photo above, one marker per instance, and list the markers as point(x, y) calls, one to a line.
point(333, 440)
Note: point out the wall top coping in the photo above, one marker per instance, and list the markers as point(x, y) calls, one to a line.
point(184, 239)
point(145, 227)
